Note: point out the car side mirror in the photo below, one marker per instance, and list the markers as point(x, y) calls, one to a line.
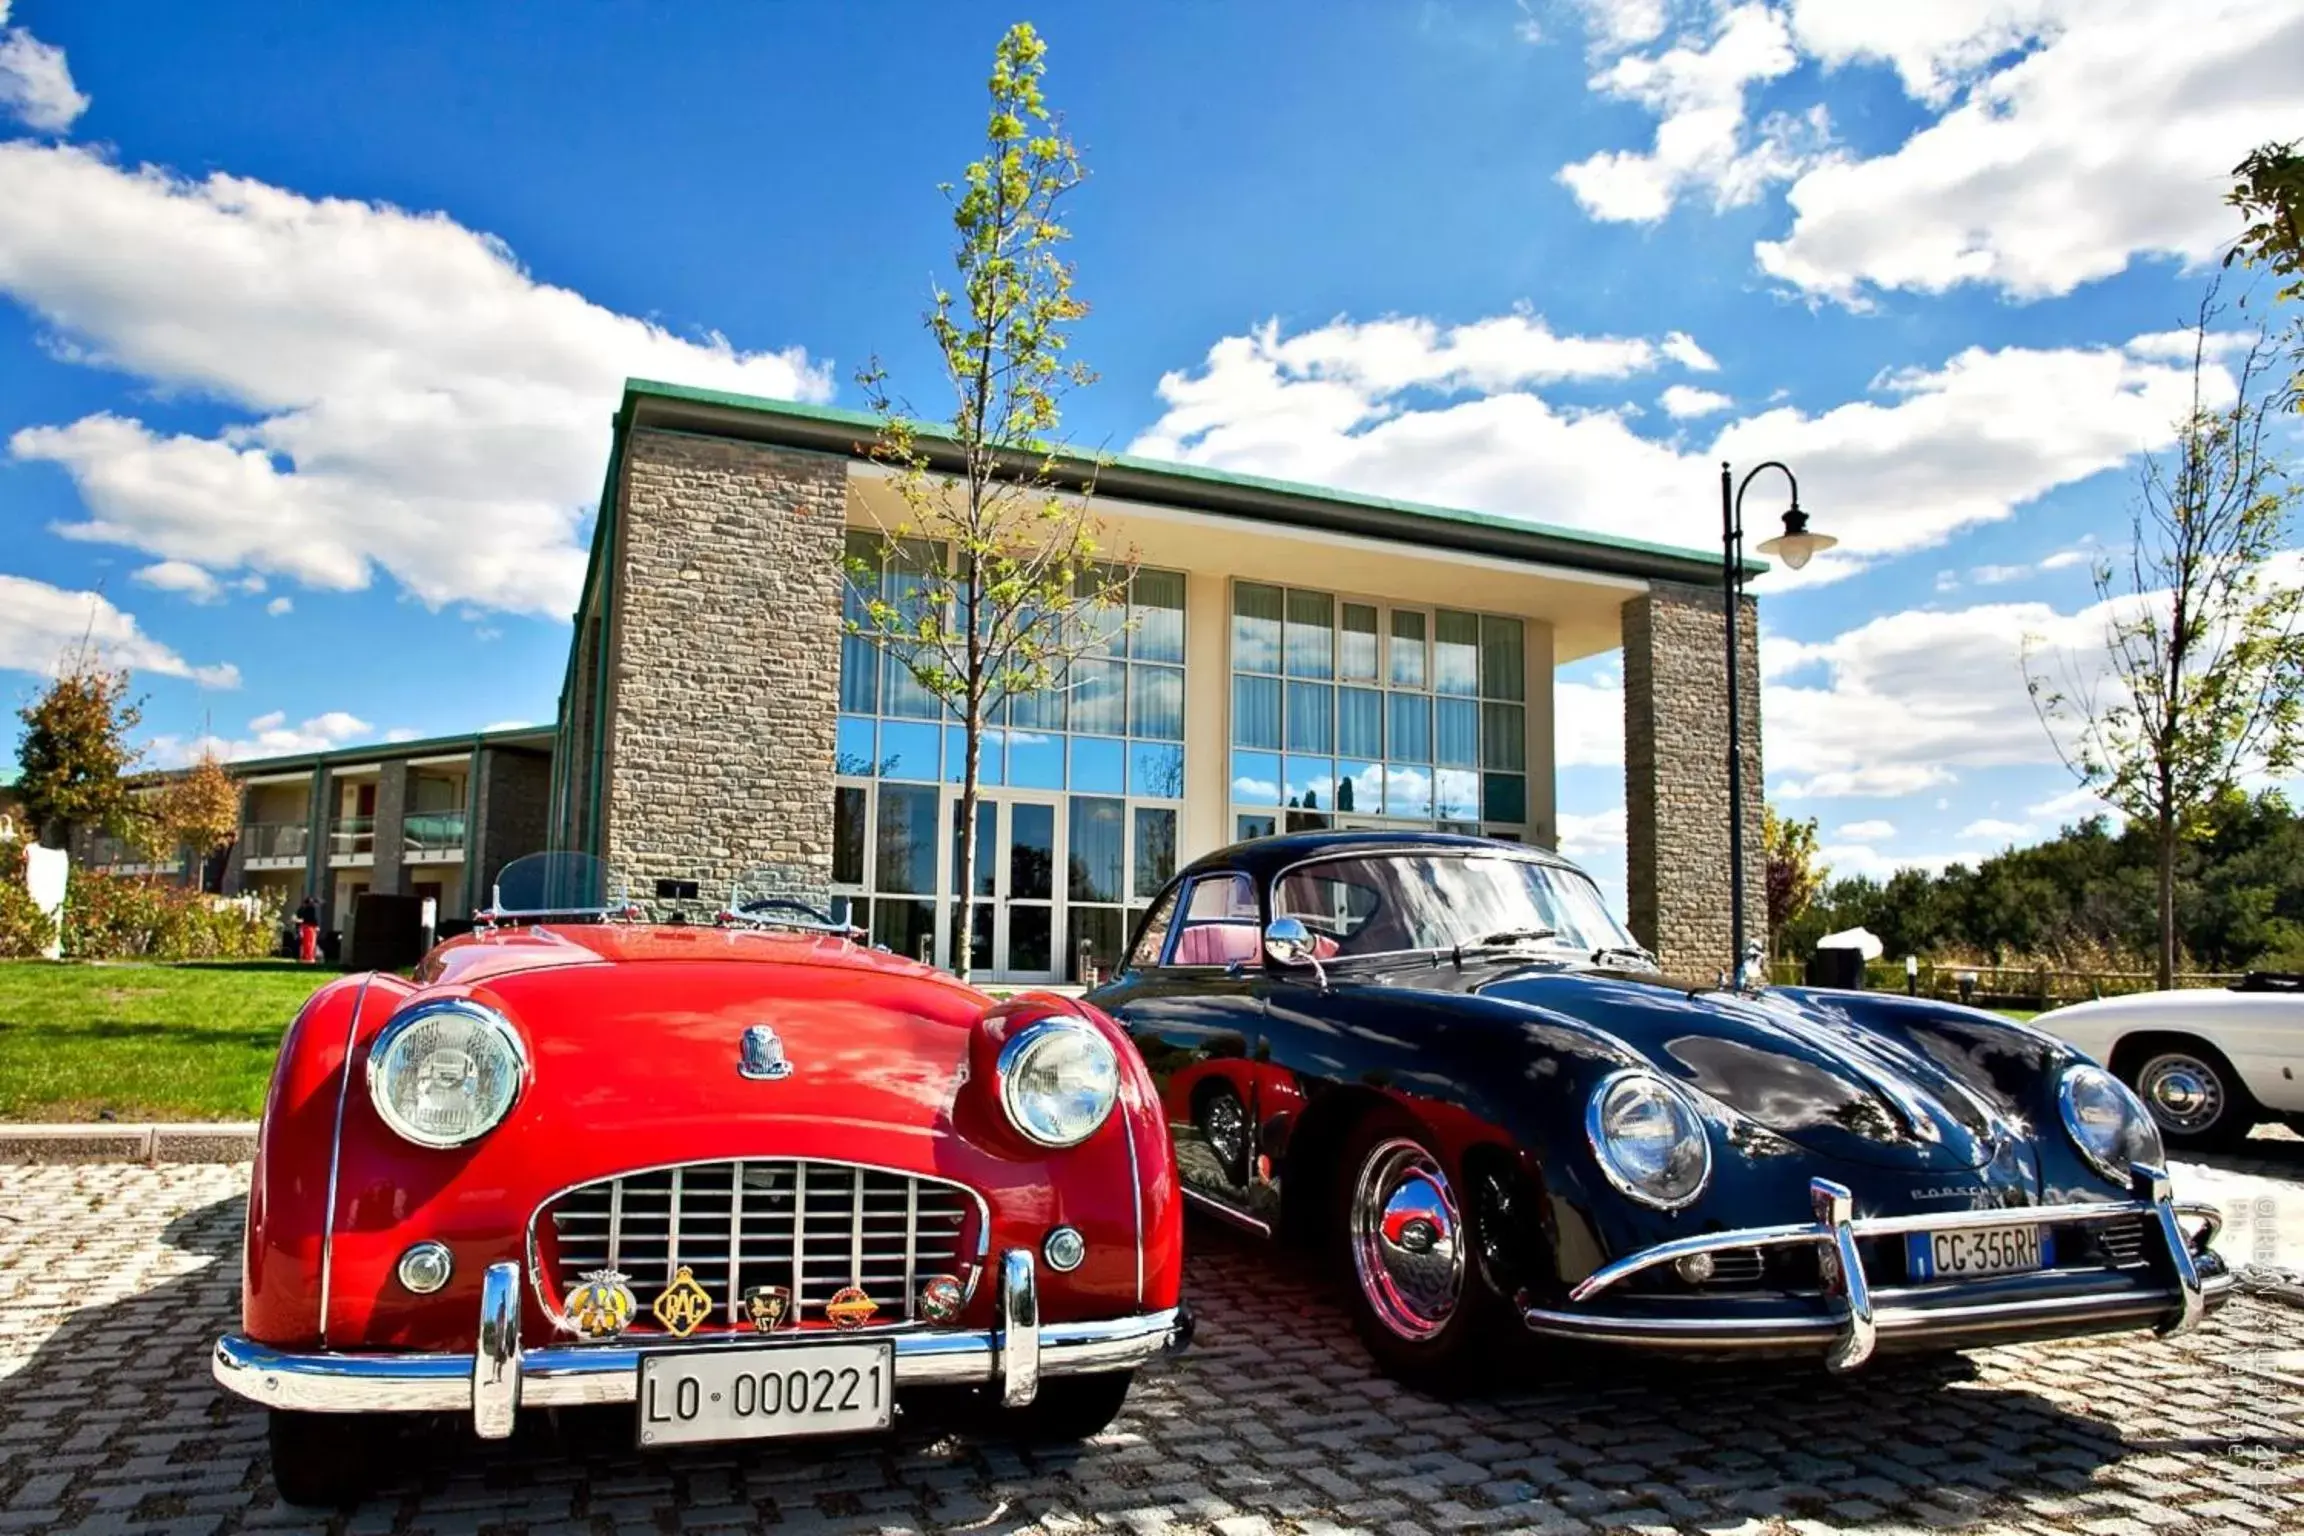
point(1288, 942)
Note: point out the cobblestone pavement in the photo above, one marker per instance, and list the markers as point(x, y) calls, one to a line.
point(113, 1281)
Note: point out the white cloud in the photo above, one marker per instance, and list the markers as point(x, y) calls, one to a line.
point(269, 735)
point(1588, 724)
point(2073, 805)
point(2064, 558)
point(1993, 829)
point(184, 577)
point(2108, 141)
point(507, 725)
point(1928, 452)
point(1874, 831)
point(35, 84)
point(1615, 25)
point(1697, 89)
point(279, 606)
point(1682, 401)
point(1596, 832)
point(416, 400)
point(1681, 348)
point(1998, 575)
point(41, 626)
point(1850, 860)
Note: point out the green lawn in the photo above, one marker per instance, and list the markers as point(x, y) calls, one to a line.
point(144, 1042)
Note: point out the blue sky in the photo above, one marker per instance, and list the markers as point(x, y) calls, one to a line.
point(309, 332)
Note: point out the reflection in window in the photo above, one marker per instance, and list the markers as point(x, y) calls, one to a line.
point(905, 859)
point(1255, 628)
point(1155, 848)
point(848, 834)
point(1097, 850)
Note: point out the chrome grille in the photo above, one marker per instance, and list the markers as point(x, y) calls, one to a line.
point(2121, 1241)
point(812, 1227)
point(1736, 1266)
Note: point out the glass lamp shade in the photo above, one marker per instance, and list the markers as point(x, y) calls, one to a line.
point(1796, 546)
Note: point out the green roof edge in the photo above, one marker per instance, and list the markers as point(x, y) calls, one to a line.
point(635, 388)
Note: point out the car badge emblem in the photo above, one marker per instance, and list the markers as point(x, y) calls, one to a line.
point(850, 1308)
point(601, 1305)
point(761, 1056)
point(940, 1298)
point(684, 1305)
point(767, 1306)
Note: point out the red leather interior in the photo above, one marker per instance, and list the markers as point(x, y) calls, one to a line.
point(1215, 944)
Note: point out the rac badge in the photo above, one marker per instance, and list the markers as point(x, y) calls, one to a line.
point(684, 1304)
point(767, 1306)
point(940, 1298)
point(761, 1055)
point(601, 1305)
point(850, 1308)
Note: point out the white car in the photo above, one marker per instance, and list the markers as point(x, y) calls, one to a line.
point(2210, 1064)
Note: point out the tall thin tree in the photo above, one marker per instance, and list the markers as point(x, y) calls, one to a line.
point(1002, 582)
point(2200, 677)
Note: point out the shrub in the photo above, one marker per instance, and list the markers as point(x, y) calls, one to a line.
point(119, 917)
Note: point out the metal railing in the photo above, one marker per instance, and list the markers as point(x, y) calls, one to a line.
point(2004, 986)
point(432, 833)
point(275, 840)
point(106, 852)
point(351, 836)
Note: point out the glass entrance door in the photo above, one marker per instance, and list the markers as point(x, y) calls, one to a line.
point(1017, 837)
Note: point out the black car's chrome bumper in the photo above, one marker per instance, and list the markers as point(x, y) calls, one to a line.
point(494, 1383)
point(1851, 1319)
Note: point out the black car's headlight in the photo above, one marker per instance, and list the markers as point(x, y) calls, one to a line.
point(445, 1073)
point(1648, 1139)
point(2106, 1122)
point(1058, 1081)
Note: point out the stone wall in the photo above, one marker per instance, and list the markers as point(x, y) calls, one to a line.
point(511, 802)
point(1676, 776)
point(725, 679)
point(387, 876)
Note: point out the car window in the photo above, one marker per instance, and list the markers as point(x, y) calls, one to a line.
point(1340, 902)
point(1152, 938)
point(1220, 924)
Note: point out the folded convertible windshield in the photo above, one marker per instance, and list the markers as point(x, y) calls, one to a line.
point(1385, 903)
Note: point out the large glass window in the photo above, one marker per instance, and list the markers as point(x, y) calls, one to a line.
point(1108, 737)
point(1364, 714)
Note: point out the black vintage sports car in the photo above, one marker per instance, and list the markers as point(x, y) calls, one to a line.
point(1444, 1056)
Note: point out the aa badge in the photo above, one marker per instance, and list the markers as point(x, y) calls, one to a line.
point(767, 1306)
point(684, 1305)
point(601, 1305)
point(850, 1308)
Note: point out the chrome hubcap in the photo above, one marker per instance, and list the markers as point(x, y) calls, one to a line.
point(1407, 1240)
point(2184, 1093)
point(1225, 1124)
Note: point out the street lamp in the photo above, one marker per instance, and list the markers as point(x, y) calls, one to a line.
point(1795, 546)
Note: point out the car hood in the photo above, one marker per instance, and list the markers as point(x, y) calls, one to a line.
point(1827, 1073)
point(618, 1048)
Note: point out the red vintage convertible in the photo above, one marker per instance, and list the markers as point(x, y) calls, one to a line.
point(750, 1177)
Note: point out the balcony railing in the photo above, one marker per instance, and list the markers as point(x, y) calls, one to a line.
point(352, 837)
point(118, 853)
point(275, 840)
point(432, 834)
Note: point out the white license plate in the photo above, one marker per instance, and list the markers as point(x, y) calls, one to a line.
point(1985, 1251)
point(765, 1394)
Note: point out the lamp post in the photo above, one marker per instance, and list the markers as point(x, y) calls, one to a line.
point(1795, 546)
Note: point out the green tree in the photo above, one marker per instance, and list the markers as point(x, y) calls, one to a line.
point(74, 750)
point(2268, 189)
point(197, 810)
point(2201, 673)
point(1794, 876)
point(1000, 581)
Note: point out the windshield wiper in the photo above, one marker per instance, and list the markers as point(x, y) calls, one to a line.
point(1624, 951)
point(1503, 936)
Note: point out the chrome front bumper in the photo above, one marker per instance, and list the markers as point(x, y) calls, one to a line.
point(494, 1383)
point(1852, 1319)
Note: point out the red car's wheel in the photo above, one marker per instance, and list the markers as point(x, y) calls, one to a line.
point(1419, 1297)
point(1070, 1408)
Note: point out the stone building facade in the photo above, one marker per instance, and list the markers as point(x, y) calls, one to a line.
point(1676, 774)
point(1296, 657)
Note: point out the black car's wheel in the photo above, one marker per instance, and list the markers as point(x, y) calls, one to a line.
point(1419, 1297)
point(2193, 1096)
point(325, 1460)
point(1069, 1408)
point(1223, 1123)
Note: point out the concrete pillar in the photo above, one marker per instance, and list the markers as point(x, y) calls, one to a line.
point(320, 812)
point(391, 821)
point(1207, 818)
point(1676, 776)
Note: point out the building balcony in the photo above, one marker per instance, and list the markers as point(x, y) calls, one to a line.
point(432, 836)
point(352, 840)
point(118, 856)
point(274, 845)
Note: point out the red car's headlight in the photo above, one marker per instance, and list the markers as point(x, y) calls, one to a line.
point(446, 1073)
point(1059, 1079)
